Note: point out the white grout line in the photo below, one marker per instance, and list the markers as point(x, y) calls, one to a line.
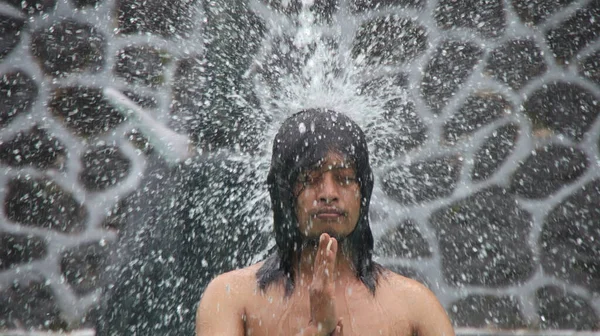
point(175, 147)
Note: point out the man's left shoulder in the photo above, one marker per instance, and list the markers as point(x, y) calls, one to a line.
point(425, 312)
point(398, 284)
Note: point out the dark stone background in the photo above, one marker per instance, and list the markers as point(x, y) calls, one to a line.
point(98, 230)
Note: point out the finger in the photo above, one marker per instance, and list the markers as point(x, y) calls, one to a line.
point(326, 247)
point(321, 257)
point(330, 258)
point(324, 240)
point(332, 246)
point(339, 328)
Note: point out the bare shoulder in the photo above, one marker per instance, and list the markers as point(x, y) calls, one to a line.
point(409, 289)
point(223, 304)
point(426, 313)
point(239, 281)
point(394, 283)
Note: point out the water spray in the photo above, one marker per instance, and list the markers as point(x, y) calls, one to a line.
point(174, 147)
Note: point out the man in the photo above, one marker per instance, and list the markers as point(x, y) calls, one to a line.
point(321, 279)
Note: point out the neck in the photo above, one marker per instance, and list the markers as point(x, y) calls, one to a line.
point(344, 269)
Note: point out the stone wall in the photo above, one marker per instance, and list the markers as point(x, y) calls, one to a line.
point(488, 183)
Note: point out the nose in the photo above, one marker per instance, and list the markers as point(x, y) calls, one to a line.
point(328, 191)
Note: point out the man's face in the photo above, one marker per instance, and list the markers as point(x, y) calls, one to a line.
point(328, 198)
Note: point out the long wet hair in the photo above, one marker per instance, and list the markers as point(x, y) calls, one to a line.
point(303, 140)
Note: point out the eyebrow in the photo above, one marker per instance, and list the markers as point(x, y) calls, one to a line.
point(341, 165)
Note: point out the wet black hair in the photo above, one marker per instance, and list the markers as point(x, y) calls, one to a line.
point(302, 141)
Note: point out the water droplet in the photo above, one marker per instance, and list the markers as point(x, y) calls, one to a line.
point(302, 128)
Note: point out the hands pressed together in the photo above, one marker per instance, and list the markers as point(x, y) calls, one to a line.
point(323, 317)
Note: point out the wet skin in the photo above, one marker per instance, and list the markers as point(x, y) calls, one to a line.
point(328, 198)
point(328, 298)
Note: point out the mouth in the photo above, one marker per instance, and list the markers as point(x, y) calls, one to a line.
point(329, 214)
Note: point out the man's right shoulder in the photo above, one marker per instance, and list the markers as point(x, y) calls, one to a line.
point(237, 281)
point(224, 302)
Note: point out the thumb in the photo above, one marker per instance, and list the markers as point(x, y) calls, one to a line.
point(339, 328)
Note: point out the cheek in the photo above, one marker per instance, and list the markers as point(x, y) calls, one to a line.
point(302, 202)
point(357, 201)
point(302, 207)
point(354, 194)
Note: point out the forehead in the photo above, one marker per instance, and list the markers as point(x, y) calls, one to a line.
point(333, 160)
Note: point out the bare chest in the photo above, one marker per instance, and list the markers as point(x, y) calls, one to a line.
point(362, 314)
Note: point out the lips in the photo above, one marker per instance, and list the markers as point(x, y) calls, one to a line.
point(329, 213)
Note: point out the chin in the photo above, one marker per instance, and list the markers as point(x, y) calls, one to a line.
point(338, 235)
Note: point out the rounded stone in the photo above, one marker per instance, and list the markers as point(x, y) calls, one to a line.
point(515, 63)
point(140, 17)
point(18, 93)
point(422, 181)
point(481, 240)
point(31, 7)
point(30, 306)
point(10, 34)
point(85, 3)
point(570, 238)
point(448, 69)
point(358, 6)
point(488, 312)
point(396, 131)
point(84, 267)
point(103, 167)
point(548, 169)
point(187, 88)
point(494, 151)
point(590, 67)
point(34, 147)
point(17, 249)
point(142, 65)
point(389, 40)
point(535, 12)
point(69, 46)
point(403, 241)
point(478, 110)
point(386, 87)
point(43, 204)
point(559, 309)
point(289, 7)
point(565, 108)
point(575, 33)
point(84, 110)
point(485, 16)
point(323, 10)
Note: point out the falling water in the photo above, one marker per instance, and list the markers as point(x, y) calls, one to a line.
point(151, 145)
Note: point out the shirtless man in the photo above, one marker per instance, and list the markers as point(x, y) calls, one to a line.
point(321, 279)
